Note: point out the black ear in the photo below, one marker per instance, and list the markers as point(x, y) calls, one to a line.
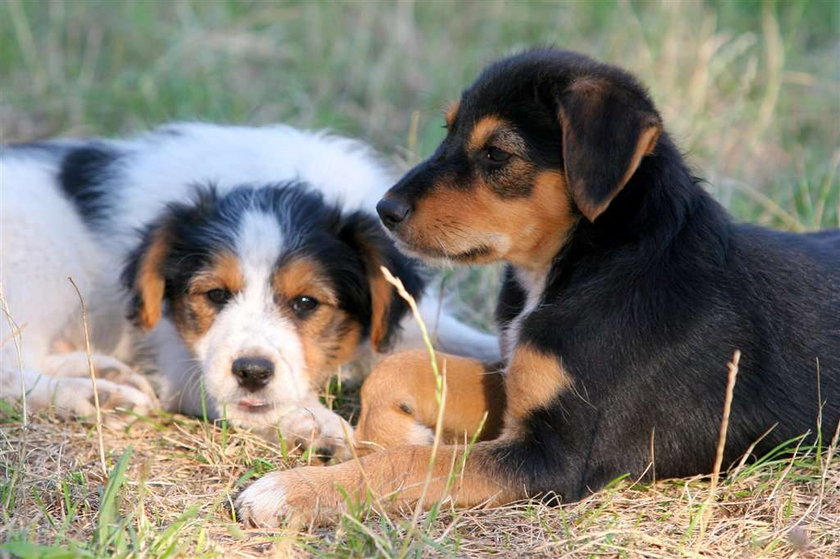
point(143, 276)
point(607, 130)
point(365, 235)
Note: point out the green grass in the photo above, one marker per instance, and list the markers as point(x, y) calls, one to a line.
point(750, 90)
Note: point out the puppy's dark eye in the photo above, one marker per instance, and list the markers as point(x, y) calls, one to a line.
point(304, 305)
point(218, 296)
point(497, 155)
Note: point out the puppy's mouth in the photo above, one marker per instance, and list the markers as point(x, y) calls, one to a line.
point(479, 252)
point(254, 405)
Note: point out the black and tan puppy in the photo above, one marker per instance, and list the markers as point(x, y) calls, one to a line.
point(628, 289)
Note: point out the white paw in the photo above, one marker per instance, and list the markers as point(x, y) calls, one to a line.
point(76, 396)
point(76, 365)
point(123, 375)
point(317, 428)
point(262, 505)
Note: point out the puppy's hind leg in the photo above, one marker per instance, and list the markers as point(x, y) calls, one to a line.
point(399, 405)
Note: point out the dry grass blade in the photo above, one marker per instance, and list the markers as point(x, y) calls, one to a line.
point(89, 353)
point(721, 445)
point(15, 337)
point(440, 397)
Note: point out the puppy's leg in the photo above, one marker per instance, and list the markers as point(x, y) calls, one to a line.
point(75, 364)
point(397, 476)
point(399, 405)
point(71, 396)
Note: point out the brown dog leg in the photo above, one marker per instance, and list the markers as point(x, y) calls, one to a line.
point(394, 477)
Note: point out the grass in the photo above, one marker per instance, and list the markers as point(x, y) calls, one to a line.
point(170, 480)
point(749, 89)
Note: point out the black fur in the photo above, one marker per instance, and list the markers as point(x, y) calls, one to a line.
point(342, 243)
point(84, 170)
point(645, 305)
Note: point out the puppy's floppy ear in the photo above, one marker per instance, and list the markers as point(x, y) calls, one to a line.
point(143, 276)
point(364, 233)
point(607, 130)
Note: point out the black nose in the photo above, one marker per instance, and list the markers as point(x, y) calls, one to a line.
point(392, 211)
point(252, 373)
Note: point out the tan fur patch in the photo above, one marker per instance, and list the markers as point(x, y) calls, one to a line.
point(533, 380)
point(451, 113)
point(150, 282)
point(398, 400)
point(381, 293)
point(644, 146)
point(193, 313)
point(483, 130)
point(223, 273)
point(303, 276)
point(526, 231)
point(381, 296)
point(594, 88)
point(329, 335)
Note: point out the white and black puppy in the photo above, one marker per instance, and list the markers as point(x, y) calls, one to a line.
point(249, 256)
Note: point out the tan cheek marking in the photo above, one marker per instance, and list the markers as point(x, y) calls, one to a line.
point(535, 225)
point(542, 222)
point(482, 131)
point(451, 113)
point(193, 315)
point(533, 380)
point(329, 340)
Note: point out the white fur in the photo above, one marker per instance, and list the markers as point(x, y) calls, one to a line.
point(43, 240)
point(263, 503)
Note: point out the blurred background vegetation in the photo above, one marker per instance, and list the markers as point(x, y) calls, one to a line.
point(750, 89)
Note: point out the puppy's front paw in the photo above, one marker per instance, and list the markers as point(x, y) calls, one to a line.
point(293, 497)
point(317, 428)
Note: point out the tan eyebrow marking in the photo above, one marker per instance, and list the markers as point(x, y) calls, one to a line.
point(482, 131)
point(451, 113)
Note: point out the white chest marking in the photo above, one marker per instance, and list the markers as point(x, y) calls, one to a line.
point(533, 284)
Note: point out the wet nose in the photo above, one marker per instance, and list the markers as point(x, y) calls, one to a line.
point(392, 211)
point(252, 373)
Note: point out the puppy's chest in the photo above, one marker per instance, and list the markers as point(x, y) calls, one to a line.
point(533, 286)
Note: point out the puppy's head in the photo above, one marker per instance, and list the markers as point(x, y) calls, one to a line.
point(270, 288)
point(539, 141)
